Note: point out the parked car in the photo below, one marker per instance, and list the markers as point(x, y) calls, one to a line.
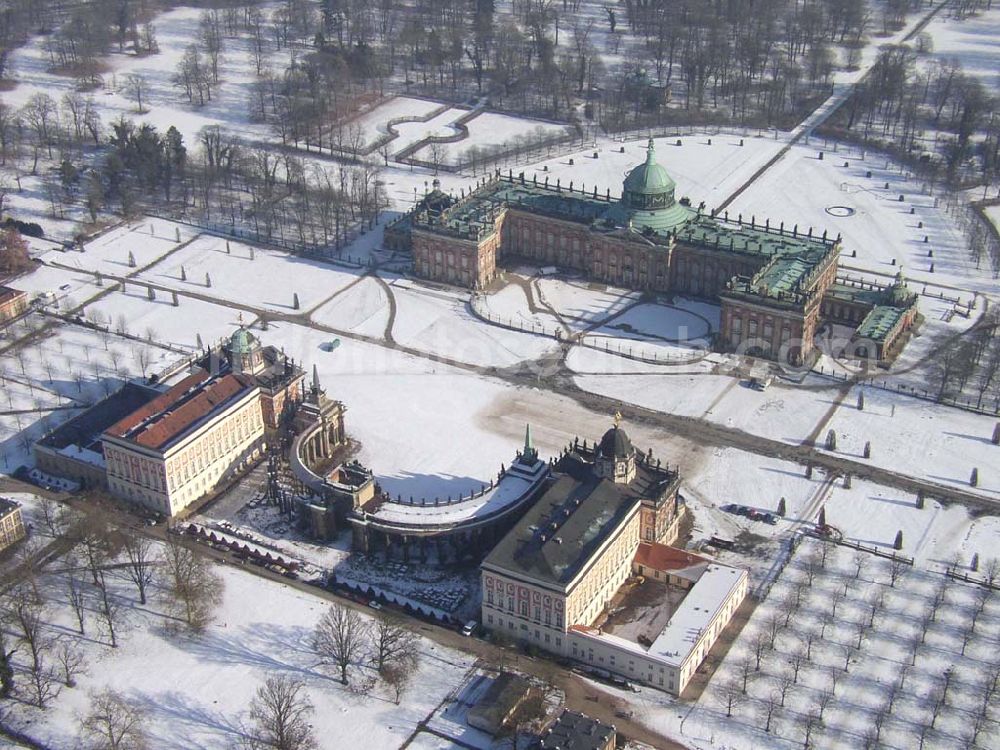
point(770, 518)
point(374, 604)
point(469, 629)
point(730, 507)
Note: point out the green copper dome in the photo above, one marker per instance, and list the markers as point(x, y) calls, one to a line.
point(648, 181)
point(241, 342)
point(648, 202)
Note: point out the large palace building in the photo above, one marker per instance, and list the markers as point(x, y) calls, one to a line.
point(607, 514)
point(770, 280)
point(166, 449)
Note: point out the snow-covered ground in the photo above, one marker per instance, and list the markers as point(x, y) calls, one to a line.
point(973, 41)
point(175, 30)
point(495, 131)
point(438, 322)
point(242, 275)
point(372, 124)
point(877, 651)
point(919, 438)
point(196, 689)
point(881, 229)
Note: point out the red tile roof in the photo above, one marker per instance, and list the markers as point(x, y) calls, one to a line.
point(661, 557)
point(169, 415)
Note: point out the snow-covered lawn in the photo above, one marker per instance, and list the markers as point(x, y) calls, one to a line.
point(269, 279)
point(196, 689)
point(702, 171)
point(582, 304)
point(372, 124)
point(972, 41)
point(70, 288)
point(438, 322)
point(920, 438)
point(865, 513)
point(147, 241)
point(175, 326)
point(363, 308)
point(492, 130)
point(799, 188)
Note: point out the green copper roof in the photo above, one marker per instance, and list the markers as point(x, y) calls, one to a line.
point(649, 178)
point(648, 202)
point(879, 322)
point(242, 342)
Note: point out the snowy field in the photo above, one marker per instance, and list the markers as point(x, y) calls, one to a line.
point(800, 188)
point(920, 438)
point(865, 513)
point(495, 131)
point(362, 308)
point(261, 630)
point(845, 652)
point(175, 30)
point(703, 171)
point(243, 274)
point(973, 41)
point(372, 124)
point(178, 327)
point(440, 125)
point(438, 322)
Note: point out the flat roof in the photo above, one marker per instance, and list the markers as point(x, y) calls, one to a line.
point(672, 560)
point(696, 612)
point(169, 416)
point(692, 617)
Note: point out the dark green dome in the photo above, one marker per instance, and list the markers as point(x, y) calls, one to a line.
point(648, 185)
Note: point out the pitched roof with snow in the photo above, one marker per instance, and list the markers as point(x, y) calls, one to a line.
point(168, 417)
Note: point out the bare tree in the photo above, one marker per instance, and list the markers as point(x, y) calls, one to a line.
point(770, 708)
point(194, 587)
point(813, 722)
point(772, 626)
point(77, 601)
point(53, 514)
point(339, 637)
point(111, 611)
point(747, 671)
point(72, 662)
point(114, 723)
point(760, 646)
point(730, 695)
point(785, 681)
point(392, 642)
point(897, 568)
point(280, 716)
point(135, 88)
point(398, 675)
point(141, 560)
point(860, 563)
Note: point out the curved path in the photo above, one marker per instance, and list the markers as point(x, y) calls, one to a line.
point(557, 377)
